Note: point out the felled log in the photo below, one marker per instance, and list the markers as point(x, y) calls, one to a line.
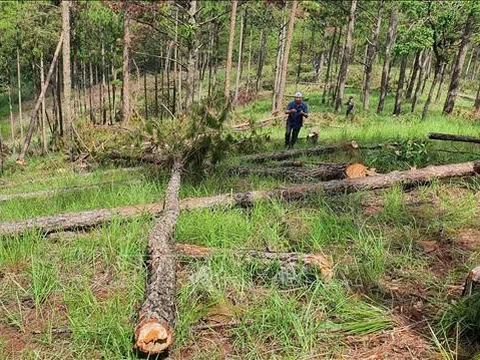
point(288, 154)
point(450, 137)
point(156, 319)
point(472, 283)
point(142, 159)
point(322, 172)
point(315, 261)
point(61, 191)
point(86, 219)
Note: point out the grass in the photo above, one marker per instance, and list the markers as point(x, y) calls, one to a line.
point(92, 283)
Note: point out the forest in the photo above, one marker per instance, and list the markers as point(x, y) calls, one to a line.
point(240, 179)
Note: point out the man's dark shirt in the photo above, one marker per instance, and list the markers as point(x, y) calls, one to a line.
point(295, 120)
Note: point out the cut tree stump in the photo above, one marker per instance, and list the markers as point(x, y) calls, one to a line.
point(288, 154)
point(315, 261)
point(156, 319)
point(450, 137)
point(322, 172)
point(86, 219)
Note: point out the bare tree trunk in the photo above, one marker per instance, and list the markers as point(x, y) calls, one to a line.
point(477, 104)
point(126, 63)
point(413, 76)
point(261, 60)
point(401, 83)
point(67, 79)
point(454, 87)
point(38, 103)
point(442, 78)
point(286, 53)
point(10, 107)
point(326, 86)
point(156, 318)
point(342, 74)
point(109, 94)
point(392, 26)
point(192, 57)
point(422, 64)
point(249, 63)
point(58, 81)
point(228, 68)
point(19, 82)
point(438, 68)
point(145, 95)
point(90, 89)
point(427, 66)
point(278, 64)
point(300, 59)
point(240, 59)
point(467, 70)
point(43, 127)
point(102, 87)
point(370, 59)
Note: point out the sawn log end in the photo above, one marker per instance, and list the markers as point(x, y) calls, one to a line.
point(153, 336)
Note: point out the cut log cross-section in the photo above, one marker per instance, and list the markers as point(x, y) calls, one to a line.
point(156, 320)
point(323, 172)
point(86, 219)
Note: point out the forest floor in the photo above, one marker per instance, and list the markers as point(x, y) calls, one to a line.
point(399, 257)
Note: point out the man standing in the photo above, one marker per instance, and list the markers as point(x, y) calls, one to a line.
point(296, 110)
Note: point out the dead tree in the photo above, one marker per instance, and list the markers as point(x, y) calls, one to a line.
point(156, 319)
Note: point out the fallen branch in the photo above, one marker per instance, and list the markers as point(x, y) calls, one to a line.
point(67, 190)
point(259, 123)
point(322, 172)
point(315, 261)
point(86, 219)
point(156, 319)
point(450, 137)
point(288, 154)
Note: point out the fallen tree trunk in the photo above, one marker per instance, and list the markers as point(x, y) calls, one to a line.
point(315, 261)
point(143, 159)
point(288, 154)
point(450, 137)
point(86, 219)
point(322, 172)
point(156, 319)
point(67, 190)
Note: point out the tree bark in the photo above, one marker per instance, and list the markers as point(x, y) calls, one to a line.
point(156, 318)
point(67, 78)
point(450, 137)
point(126, 63)
point(240, 59)
point(326, 86)
point(421, 66)
point(342, 74)
point(286, 53)
point(43, 124)
point(278, 64)
point(321, 172)
point(88, 219)
point(192, 57)
point(413, 77)
point(33, 117)
point(392, 26)
point(10, 107)
point(19, 82)
point(261, 60)
point(454, 87)
point(438, 68)
point(439, 92)
point(401, 82)
point(231, 39)
point(370, 59)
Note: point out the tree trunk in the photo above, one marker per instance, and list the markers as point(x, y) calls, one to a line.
point(59, 81)
point(392, 26)
point(249, 62)
point(342, 74)
point(231, 39)
point(321, 172)
point(454, 87)
point(422, 64)
point(38, 103)
point(286, 53)
point(12, 124)
point(467, 70)
point(261, 60)
point(326, 86)
point(19, 82)
point(240, 59)
point(413, 76)
point(278, 64)
point(43, 127)
point(300, 59)
point(401, 82)
point(439, 92)
point(427, 70)
point(145, 94)
point(102, 87)
point(370, 59)
point(67, 79)
point(438, 68)
point(126, 63)
point(192, 57)
point(449, 137)
point(89, 219)
point(156, 318)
